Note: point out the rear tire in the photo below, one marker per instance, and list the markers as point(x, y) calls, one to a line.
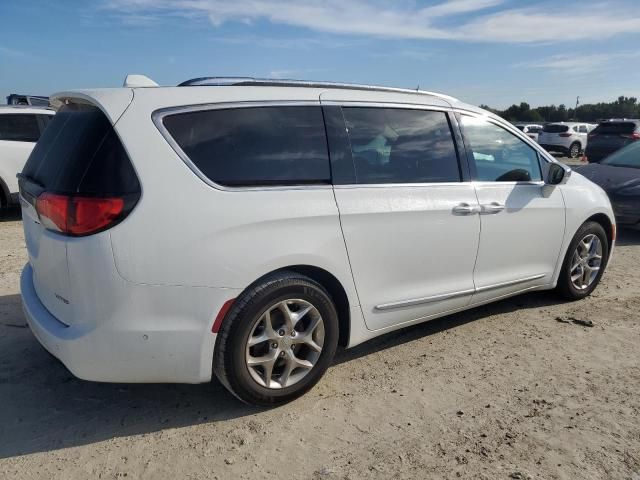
point(574, 150)
point(584, 262)
point(273, 363)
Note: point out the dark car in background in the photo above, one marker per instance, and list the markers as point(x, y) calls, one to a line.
point(619, 176)
point(609, 136)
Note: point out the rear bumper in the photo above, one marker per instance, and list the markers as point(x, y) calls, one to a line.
point(130, 348)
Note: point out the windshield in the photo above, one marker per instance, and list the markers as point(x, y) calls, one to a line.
point(628, 156)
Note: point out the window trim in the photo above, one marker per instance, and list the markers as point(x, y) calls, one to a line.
point(157, 116)
point(513, 131)
point(463, 166)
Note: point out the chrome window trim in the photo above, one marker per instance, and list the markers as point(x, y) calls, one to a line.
point(157, 116)
point(461, 293)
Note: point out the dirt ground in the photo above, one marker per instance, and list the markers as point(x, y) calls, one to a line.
point(503, 391)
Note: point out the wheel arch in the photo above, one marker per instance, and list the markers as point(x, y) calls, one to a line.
point(335, 289)
point(606, 223)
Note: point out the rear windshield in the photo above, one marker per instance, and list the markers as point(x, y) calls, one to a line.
point(255, 146)
point(555, 128)
point(615, 128)
point(79, 152)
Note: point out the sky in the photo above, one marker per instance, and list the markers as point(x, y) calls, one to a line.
point(494, 52)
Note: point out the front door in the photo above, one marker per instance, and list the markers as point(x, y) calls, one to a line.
point(409, 220)
point(522, 219)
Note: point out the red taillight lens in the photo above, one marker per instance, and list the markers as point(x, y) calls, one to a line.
point(632, 136)
point(77, 215)
point(565, 135)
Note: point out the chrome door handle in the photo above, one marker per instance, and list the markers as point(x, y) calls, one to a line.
point(466, 209)
point(491, 208)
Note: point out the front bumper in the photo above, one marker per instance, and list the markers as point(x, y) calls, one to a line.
point(131, 348)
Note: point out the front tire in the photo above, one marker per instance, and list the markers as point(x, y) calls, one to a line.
point(277, 340)
point(584, 262)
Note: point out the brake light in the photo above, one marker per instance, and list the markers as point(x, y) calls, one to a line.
point(565, 135)
point(78, 216)
point(632, 136)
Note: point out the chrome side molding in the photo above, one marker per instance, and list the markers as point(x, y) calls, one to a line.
point(446, 296)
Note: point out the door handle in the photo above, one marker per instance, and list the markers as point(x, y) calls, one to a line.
point(466, 209)
point(491, 208)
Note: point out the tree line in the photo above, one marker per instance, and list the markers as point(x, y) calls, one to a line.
point(623, 107)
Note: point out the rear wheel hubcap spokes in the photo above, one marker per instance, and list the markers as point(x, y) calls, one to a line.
point(285, 343)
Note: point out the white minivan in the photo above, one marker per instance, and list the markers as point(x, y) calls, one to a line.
point(20, 128)
point(246, 228)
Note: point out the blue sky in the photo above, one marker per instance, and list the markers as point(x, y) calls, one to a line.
point(495, 52)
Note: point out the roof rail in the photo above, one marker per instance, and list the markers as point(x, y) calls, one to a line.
point(270, 82)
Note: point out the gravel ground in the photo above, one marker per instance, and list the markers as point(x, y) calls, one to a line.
point(503, 391)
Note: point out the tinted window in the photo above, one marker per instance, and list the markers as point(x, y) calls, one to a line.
point(392, 145)
point(583, 129)
point(615, 128)
point(555, 128)
point(628, 156)
point(497, 154)
point(80, 152)
point(255, 146)
point(44, 121)
point(520, 127)
point(19, 127)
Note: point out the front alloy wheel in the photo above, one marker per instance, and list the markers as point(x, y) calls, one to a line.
point(586, 262)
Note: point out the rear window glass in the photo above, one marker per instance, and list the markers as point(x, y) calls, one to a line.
point(79, 152)
point(615, 128)
point(391, 145)
point(256, 145)
point(520, 127)
point(555, 128)
point(19, 127)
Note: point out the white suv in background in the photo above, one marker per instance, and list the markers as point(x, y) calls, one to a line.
point(568, 138)
point(248, 227)
point(532, 130)
point(20, 128)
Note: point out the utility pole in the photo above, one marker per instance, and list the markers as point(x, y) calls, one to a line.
point(575, 112)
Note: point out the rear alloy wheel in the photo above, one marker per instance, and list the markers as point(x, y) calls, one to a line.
point(574, 150)
point(584, 262)
point(277, 340)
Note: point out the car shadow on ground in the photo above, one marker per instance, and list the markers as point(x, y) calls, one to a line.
point(10, 214)
point(45, 408)
point(627, 237)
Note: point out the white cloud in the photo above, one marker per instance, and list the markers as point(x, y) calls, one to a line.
point(578, 63)
point(493, 21)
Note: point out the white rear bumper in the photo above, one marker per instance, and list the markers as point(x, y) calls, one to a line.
point(132, 348)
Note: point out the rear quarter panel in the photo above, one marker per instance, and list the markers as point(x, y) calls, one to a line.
point(188, 233)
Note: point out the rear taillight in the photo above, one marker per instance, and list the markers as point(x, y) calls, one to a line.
point(632, 136)
point(565, 135)
point(78, 216)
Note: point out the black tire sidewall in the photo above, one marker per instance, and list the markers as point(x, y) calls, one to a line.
point(574, 144)
point(239, 379)
point(566, 287)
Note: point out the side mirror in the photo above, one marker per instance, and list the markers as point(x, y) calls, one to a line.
point(557, 174)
